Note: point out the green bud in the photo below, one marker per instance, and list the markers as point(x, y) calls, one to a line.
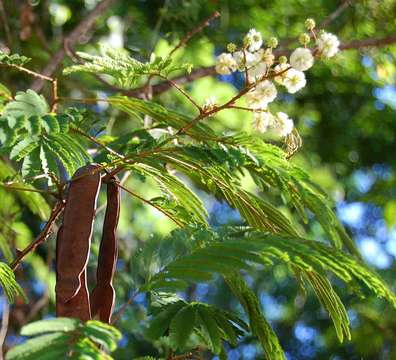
point(310, 24)
point(282, 60)
point(135, 140)
point(231, 47)
point(304, 39)
point(272, 42)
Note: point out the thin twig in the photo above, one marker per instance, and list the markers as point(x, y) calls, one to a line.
point(148, 202)
point(18, 188)
point(4, 326)
point(5, 24)
point(95, 141)
point(194, 31)
point(335, 14)
point(54, 91)
point(123, 308)
point(86, 24)
point(30, 72)
point(246, 108)
point(226, 105)
point(186, 95)
point(41, 237)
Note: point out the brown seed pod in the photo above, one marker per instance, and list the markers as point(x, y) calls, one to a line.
point(73, 244)
point(103, 295)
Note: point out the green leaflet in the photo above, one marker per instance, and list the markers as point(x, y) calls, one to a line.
point(48, 326)
point(29, 350)
point(161, 115)
point(181, 326)
point(62, 337)
point(8, 283)
point(258, 323)
point(178, 190)
point(332, 303)
point(180, 320)
point(122, 67)
point(26, 104)
point(35, 202)
point(13, 59)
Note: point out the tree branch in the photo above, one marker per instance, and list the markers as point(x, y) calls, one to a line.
point(194, 31)
point(41, 238)
point(210, 70)
point(370, 42)
point(80, 30)
point(335, 14)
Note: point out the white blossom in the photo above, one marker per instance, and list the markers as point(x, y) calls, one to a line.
point(301, 59)
point(328, 44)
point(283, 124)
point(253, 40)
point(262, 121)
point(280, 69)
point(294, 80)
point(257, 71)
point(225, 64)
point(210, 103)
point(262, 95)
point(244, 59)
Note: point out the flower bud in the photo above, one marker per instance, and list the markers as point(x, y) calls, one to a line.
point(304, 39)
point(310, 24)
point(272, 42)
point(282, 60)
point(231, 47)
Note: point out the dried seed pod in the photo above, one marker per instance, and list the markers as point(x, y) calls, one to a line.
point(103, 295)
point(73, 244)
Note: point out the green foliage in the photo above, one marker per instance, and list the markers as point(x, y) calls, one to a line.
point(239, 249)
point(66, 338)
point(194, 210)
point(161, 115)
point(8, 283)
point(29, 133)
point(180, 320)
point(34, 201)
point(26, 104)
point(122, 67)
point(258, 323)
point(13, 59)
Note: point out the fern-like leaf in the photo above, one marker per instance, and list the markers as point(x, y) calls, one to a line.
point(66, 338)
point(8, 283)
point(13, 59)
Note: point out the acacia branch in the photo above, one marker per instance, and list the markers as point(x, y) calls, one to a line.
point(210, 70)
point(41, 237)
point(70, 40)
point(370, 42)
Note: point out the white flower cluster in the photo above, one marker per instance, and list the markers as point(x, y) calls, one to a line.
point(327, 44)
point(261, 69)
